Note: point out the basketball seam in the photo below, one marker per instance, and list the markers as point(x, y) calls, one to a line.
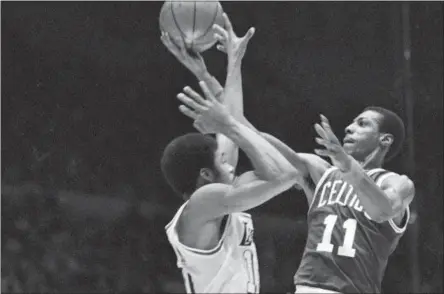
point(182, 34)
point(211, 24)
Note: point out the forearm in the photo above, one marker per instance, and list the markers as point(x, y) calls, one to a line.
point(375, 201)
point(267, 161)
point(233, 93)
point(286, 151)
point(214, 85)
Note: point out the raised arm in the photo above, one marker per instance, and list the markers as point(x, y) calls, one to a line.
point(193, 61)
point(273, 174)
point(232, 95)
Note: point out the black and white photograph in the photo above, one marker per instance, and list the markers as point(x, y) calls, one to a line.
point(209, 146)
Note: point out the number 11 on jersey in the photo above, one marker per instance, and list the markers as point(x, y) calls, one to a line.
point(349, 237)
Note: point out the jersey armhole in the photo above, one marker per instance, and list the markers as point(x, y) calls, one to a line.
point(172, 227)
point(405, 220)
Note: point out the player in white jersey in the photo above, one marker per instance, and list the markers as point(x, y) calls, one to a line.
point(230, 267)
point(212, 238)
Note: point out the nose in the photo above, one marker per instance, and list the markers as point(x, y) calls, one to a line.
point(348, 129)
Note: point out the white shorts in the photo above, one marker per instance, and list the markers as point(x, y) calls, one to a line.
point(308, 289)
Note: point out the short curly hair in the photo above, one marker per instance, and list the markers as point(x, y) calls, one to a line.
point(392, 124)
point(184, 157)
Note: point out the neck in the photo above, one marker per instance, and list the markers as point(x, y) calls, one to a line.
point(374, 160)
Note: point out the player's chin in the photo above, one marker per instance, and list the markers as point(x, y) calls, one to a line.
point(349, 150)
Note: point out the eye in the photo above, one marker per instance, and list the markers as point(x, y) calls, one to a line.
point(361, 123)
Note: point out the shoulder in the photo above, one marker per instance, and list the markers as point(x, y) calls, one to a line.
point(400, 190)
point(402, 184)
point(204, 202)
point(208, 194)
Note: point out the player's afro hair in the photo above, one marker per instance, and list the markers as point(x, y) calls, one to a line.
point(184, 157)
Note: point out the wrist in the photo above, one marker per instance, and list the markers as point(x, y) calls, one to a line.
point(233, 65)
point(202, 75)
point(233, 70)
point(229, 125)
point(350, 166)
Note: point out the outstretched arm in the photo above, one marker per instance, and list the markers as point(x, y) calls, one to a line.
point(193, 61)
point(310, 166)
point(273, 174)
point(232, 95)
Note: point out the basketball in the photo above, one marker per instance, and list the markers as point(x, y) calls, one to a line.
point(192, 22)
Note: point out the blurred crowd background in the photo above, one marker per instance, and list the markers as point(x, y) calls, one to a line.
point(88, 104)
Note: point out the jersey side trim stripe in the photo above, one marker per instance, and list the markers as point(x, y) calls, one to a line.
point(190, 281)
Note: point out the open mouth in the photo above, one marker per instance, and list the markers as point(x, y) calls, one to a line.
point(348, 141)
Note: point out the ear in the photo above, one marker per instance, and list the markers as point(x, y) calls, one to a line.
point(386, 140)
point(207, 174)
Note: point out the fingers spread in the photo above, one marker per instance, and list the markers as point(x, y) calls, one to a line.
point(322, 152)
point(170, 44)
point(219, 37)
point(324, 118)
point(222, 48)
point(321, 142)
point(328, 130)
point(249, 34)
point(188, 112)
point(190, 102)
point(227, 21)
point(221, 31)
point(207, 91)
point(193, 94)
point(321, 132)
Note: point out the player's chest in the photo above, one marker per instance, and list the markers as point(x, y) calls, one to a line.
point(338, 196)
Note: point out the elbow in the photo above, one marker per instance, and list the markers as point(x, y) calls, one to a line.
point(291, 175)
point(381, 215)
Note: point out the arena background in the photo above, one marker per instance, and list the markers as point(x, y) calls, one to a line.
point(88, 104)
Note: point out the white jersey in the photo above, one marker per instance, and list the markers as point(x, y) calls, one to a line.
point(230, 267)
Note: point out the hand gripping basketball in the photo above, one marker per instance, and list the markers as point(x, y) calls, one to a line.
point(209, 115)
point(192, 60)
point(230, 43)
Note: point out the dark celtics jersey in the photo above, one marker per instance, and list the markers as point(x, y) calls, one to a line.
point(346, 251)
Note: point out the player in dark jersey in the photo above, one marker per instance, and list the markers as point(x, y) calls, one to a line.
point(358, 211)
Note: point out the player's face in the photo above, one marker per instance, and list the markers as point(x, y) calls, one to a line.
point(362, 135)
point(225, 172)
